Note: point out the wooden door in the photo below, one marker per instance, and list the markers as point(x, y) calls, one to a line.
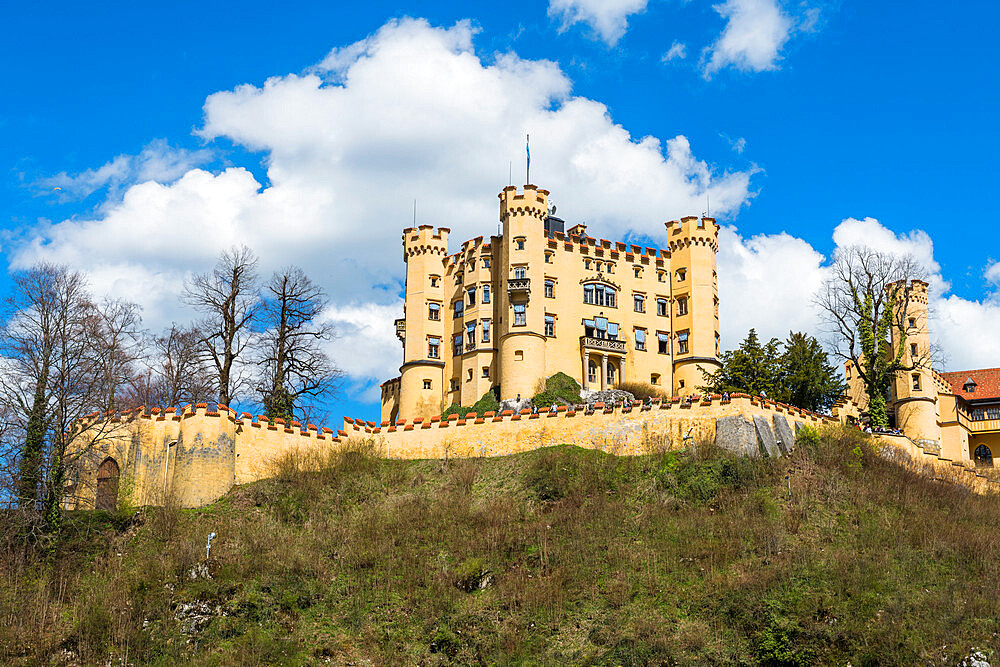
point(107, 486)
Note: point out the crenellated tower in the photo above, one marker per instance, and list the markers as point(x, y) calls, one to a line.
point(914, 392)
point(694, 244)
point(521, 340)
point(422, 327)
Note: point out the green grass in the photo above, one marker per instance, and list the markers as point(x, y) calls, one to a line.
point(557, 556)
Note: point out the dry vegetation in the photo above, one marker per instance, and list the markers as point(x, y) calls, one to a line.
point(561, 555)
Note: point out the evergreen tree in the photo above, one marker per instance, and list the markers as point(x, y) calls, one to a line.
point(809, 381)
point(752, 368)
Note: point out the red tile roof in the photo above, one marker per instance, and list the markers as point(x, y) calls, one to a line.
point(987, 383)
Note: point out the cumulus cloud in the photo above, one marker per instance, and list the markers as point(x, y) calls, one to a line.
point(755, 32)
point(411, 112)
point(768, 282)
point(607, 18)
point(677, 51)
point(158, 161)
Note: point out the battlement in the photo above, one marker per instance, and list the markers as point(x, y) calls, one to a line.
point(692, 230)
point(424, 240)
point(533, 201)
point(916, 289)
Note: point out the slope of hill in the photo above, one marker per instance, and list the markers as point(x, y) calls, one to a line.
point(560, 555)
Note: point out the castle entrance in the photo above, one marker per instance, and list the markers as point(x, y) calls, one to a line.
point(984, 457)
point(107, 486)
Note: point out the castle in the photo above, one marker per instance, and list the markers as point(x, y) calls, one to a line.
point(504, 315)
point(537, 299)
point(955, 415)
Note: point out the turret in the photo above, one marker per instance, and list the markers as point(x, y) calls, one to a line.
point(694, 244)
point(521, 280)
point(914, 392)
point(422, 327)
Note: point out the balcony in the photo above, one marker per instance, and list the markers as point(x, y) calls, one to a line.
point(603, 344)
point(518, 286)
point(401, 329)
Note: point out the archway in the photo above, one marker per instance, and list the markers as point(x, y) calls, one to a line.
point(107, 486)
point(983, 455)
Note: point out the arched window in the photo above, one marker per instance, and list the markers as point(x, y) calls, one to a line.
point(599, 295)
point(107, 486)
point(984, 456)
point(591, 371)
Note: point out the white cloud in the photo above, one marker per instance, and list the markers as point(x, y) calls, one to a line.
point(768, 282)
point(412, 112)
point(677, 50)
point(607, 18)
point(158, 161)
point(755, 32)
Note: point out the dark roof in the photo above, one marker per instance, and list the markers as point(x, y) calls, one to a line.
point(987, 381)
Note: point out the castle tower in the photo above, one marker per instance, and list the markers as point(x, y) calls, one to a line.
point(421, 385)
point(521, 277)
point(914, 393)
point(694, 244)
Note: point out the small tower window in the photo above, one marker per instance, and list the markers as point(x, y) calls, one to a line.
point(681, 275)
point(472, 295)
point(661, 277)
point(457, 344)
point(550, 289)
point(912, 322)
point(434, 311)
point(640, 339)
point(682, 343)
point(639, 303)
point(916, 381)
point(454, 384)
point(427, 384)
point(654, 379)
point(661, 307)
point(433, 347)
point(519, 316)
point(520, 272)
point(469, 378)
point(638, 271)
point(486, 262)
point(486, 372)
point(550, 325)
point(470, 335)
point(682, 305)
point(663, 342)
point(586, 264)
point(435, 280)
point(548, 258)
point(486, 331)
point(459, 308)
point(519, 243)
point(486, 293)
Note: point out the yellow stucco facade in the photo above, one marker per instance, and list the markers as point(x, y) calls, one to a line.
point(936, 410)
point(514, 309)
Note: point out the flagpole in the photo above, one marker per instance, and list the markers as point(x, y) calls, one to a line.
point(527, 151)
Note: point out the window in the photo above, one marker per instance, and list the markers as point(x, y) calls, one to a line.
point(591, 371)
point(550, 289)
point(519, 317)
point(610, 267)
point(472, 265)
point(640, 339)
point(486, 262)
point(716, 299)
point(433, 347)
point(599, 327)
point(638, 271)
point(612, 331)
point(434, 311)
point(681, 275)
point(486, 293)
point(586, 264)
point(682, 305)
point(459, 308)
point(654, 378)
point(548, 258)
point(470, 335)
point(912, 322)
point(718, 344)
point(434, 280)
point(599, 295)
point(680, 384)
point(682, 343)
point(457, 344)
point(550, 325)
point(486, 331)
point(520, 272)
point(984, 456)
point(427, 384)
point(661, 277)
point(970, 386)
point(913, 349)
point(454, 384)
point(486, 372)
point(916, 381)
point(639, 303)
point(661, 307)
point(663, 342)
point(518, 355)
point(519, 243)
point(469, 378)
point(993, 413)
point(471, 292)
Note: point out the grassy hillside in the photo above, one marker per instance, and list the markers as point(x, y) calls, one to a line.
point(560, 555)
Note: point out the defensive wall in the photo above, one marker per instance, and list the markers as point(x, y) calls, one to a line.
point(195, 454)
point(928, 461)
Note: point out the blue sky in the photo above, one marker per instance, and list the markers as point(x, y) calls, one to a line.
point(174, 132)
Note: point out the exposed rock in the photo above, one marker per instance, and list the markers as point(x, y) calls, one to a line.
point(516, 405)
point(768, 445)
point(737, 434)
point(784, 435)
point(975, 659)
point(195, 616)
point(608, 396)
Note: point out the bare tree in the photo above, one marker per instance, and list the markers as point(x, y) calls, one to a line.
point(228, 297)
point(864, 299)
point(53, 357)
point(119, 347)
point(177, 370)
point(298, 374)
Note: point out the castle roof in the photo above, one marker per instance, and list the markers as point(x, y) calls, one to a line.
point(986, 381)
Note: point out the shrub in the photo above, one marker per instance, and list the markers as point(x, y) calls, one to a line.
point(560, 389)
point(642, 390)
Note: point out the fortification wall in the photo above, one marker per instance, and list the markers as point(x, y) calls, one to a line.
point(904, 451)
point(619, 430)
